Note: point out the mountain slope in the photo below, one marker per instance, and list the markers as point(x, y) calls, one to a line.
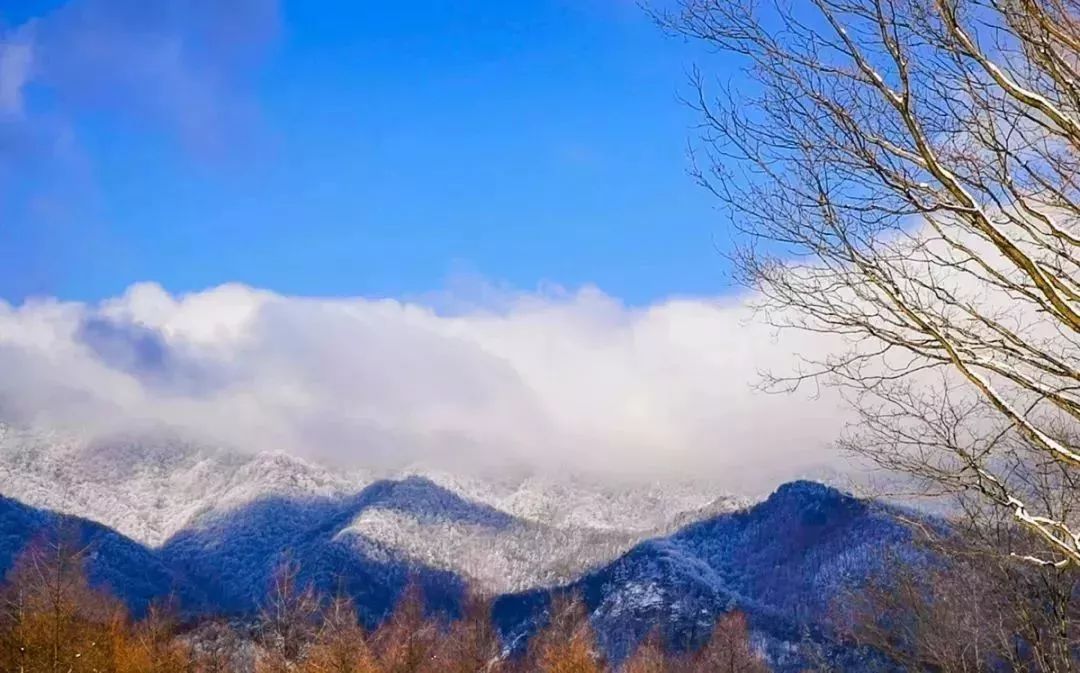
point(149, 486)
point(782, 562)
point(116, 563)
point(224, 564)
point(232, 555)
point(153, 485)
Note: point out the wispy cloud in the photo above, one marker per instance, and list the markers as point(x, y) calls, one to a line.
point(177, 64)
point(181, 69)
point(16, 60)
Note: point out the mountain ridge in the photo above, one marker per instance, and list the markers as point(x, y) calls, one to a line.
point(782, 562)
point(533, 530)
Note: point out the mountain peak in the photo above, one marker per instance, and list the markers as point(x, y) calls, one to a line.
point(807, 488)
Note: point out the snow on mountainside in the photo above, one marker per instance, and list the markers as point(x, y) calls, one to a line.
point(783, 562)
point(536, 530)
point(556, 529)
point(575, 501)
point(149, 488)
point(519, 556)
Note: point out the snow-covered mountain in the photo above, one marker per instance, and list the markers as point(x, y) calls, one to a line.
point(152, 487)
point(148, 487)
point(783, 562)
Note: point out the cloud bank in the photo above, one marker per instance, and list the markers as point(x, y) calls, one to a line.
point(553, 380)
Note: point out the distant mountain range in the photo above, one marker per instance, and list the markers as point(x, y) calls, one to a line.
point(153, 487)
point(214, 540)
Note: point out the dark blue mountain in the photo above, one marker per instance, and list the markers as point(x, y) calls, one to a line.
point(115, 563)
point(225, 562)
point(781, 562)
point(232, 556)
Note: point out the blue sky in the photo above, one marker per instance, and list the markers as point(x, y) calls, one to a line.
point(361, 148)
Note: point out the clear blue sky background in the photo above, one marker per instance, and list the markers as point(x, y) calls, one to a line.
point(373, 148)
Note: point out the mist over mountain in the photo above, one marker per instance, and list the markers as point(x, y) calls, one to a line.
point(153, 486)
point(547, 382)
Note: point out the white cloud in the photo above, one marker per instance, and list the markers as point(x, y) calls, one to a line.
point(16, 62)
point(556, 380)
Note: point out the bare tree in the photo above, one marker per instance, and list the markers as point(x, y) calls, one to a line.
point(217, 647)
point(407, 640)
point(288, 619)
point(471, 643)
point(650, 657)
point(906, 174)
point(728, 649)
point(963, 607)
point(340, 645)
point(567, 644)
point(52, 620)
point(151, 645)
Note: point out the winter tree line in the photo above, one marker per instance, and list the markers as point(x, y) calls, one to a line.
point(950, 603)
point(53, 621)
